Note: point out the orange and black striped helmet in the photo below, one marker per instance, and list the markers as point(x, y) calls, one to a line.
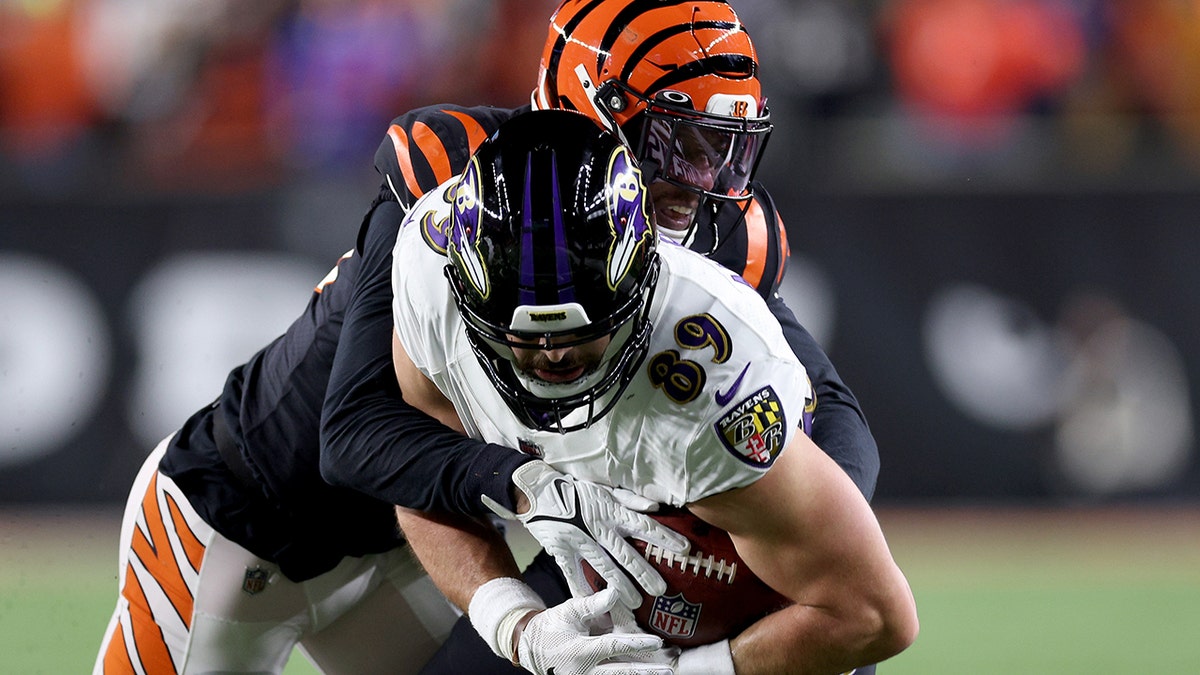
point(678, 79)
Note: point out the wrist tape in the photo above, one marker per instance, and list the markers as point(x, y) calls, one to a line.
point(495, 609)
point(712, 659)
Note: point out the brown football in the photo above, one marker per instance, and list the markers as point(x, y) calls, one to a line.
point(711, 593)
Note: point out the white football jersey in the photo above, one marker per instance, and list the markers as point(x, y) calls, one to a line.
point(716, 399)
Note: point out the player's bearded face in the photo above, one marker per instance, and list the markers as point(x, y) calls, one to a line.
point(559, 365)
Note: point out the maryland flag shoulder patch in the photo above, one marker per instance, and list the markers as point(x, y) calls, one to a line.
point(753, 429)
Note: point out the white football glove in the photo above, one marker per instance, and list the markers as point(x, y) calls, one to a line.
point(710, 659)
point(559, 640)
point(577, 520)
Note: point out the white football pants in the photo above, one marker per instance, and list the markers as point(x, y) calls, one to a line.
point(192, 601)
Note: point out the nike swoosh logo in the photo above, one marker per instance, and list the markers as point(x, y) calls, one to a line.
point(724, 397)
point(568, 496)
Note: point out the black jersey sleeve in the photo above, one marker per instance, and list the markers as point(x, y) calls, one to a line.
point(371, 440)
point(751, 240)
point(425, 147)
point(839, 426)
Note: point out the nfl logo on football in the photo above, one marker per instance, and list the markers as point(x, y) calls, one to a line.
point(674, 617)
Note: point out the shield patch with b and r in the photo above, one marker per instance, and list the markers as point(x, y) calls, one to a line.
point(754, 429)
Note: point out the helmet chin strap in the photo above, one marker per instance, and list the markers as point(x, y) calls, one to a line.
point(712, 208)
point(705, 218)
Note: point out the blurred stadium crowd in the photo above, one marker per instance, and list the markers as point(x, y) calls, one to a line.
point(198, 95)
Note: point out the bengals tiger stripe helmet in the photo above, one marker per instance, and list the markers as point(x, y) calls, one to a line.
point(678, 79)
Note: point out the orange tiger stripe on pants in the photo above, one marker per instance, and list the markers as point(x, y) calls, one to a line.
point(137, 644)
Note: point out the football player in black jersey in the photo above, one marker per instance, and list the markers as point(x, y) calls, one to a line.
point(235, 548)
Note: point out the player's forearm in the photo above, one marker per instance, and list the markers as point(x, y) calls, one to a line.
point(801, 639)
point(459, 553)
point(372, 441)
point(806, 532)
point(375, 443)
point(841, 621)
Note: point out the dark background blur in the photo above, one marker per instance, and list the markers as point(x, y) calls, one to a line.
point(991, 206)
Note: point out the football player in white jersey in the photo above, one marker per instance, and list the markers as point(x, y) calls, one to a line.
point(535, 306)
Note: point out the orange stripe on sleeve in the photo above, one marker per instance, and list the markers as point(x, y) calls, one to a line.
point(147, 636)
point(116, 655)
point(785, 251)
point(400, 141)
point(191, 544)
point(757, 244)
point(475, 132)
point(156, 555)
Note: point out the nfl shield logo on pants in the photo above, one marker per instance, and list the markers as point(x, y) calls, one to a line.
point(255, 580)
point(674, 617)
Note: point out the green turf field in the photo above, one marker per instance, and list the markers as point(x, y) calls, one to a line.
point(1014, 592)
